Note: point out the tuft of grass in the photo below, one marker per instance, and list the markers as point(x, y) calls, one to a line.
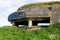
point(13, 33)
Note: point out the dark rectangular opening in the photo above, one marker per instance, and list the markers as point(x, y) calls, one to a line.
point(23, 23)
point(44, 20)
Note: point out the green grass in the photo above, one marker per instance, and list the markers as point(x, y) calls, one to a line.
point(13, 33)
point(37, 4)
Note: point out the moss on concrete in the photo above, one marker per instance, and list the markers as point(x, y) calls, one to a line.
point(38, 4)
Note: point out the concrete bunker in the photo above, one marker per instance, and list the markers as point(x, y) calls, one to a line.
point(32, 15)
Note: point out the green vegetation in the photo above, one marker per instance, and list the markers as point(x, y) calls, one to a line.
point(13, 33)
point(37, 4)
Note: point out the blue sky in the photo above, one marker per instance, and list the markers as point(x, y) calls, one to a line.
point(9, 6)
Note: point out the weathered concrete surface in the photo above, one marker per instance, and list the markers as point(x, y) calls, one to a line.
point(43, 11)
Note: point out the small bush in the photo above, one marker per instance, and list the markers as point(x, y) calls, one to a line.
point(54, 31)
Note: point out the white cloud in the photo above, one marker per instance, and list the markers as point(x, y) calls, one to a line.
point(6, 8)
point(4, 3)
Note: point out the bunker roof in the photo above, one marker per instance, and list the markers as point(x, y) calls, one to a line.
point(37, 4)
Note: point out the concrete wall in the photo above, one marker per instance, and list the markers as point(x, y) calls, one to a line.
point(43, 11)
point(37, 11)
